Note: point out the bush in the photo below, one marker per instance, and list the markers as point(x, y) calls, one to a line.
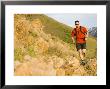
point(30, 51)
point(18, 54)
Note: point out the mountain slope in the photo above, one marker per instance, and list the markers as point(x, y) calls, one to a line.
point(37, 52)
point(53, 27)
point(93, 32)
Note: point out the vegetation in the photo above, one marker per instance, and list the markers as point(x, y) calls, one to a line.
point(39, 37)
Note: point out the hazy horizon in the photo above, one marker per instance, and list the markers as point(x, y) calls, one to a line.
point(88, 20)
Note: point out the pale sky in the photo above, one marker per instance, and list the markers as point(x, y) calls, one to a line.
point(88, 20)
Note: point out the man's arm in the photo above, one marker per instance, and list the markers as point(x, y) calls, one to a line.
point(73, 39)
point(86, 34)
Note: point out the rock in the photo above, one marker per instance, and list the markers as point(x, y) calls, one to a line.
point(92, 64)
point(16, 64)
point(41, 45)
point(27, 57)
point(69, 71)
point(58, 62)
point(37, 24)
point(35, 67)
point(79, 71)
point(60, 72)
point(74, 62)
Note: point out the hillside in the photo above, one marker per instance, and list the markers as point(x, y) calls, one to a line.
point(93, 32)
point(53, 27)
point(42, 46)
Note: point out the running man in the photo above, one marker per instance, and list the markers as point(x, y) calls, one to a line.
point(81, 37)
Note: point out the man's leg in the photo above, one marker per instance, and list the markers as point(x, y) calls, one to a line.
point(78, 46)
point(81, 54)
point(84, 49)
point(82, 61)
point(84, 52)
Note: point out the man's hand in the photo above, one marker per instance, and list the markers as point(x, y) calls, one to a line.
point(73, 42)
point(86, 38)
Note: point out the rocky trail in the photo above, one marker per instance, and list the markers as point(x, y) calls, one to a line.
point(37, 53)
point(54, 67)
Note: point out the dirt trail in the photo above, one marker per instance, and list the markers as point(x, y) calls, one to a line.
point(39, 54)
point(39, 67)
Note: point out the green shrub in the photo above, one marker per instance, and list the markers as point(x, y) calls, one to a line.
point(18, 54)
point(30, 51)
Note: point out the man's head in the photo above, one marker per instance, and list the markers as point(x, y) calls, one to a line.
point(77, 23)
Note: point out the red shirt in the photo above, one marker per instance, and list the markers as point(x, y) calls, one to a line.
point(80, 34)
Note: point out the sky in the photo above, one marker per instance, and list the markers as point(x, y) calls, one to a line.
point(87, 20)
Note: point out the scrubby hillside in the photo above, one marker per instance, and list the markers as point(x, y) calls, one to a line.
point(93, 31)
point(52, 26)
point(40, 48)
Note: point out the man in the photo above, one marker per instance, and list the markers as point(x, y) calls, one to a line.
point(81, 37)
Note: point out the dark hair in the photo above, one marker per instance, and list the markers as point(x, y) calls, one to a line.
point(76, 21)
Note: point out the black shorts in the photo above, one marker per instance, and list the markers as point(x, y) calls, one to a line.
point(80, 46)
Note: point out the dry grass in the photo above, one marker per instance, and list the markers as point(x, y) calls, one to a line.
point(38, 53)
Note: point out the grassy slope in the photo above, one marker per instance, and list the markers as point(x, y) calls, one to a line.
point(62, 31)
point(91, 47)
point(40, 45)
point(53, 27)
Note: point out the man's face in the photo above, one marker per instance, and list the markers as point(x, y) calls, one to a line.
point(77, 24)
